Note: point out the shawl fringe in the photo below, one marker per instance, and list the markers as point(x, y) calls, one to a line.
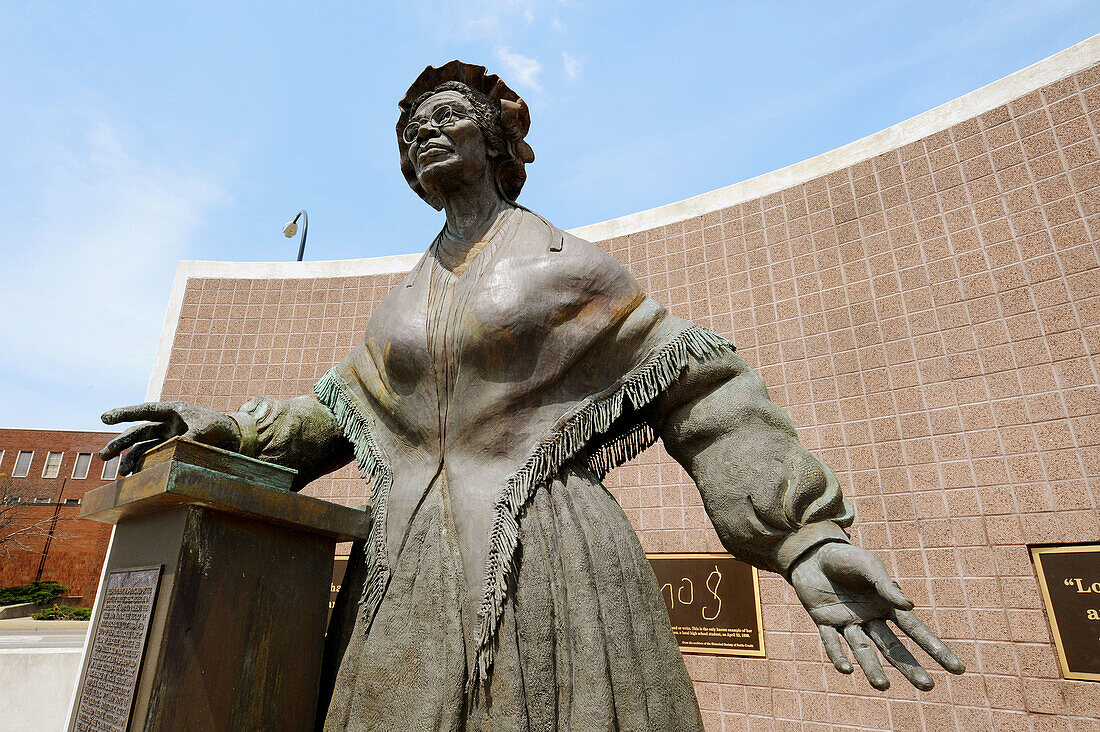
point(333, 392)
point(595, 416)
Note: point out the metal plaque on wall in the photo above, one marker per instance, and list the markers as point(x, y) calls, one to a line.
point(1069, 579)
point(117, 648)
point(713, 602)
point(339, 568)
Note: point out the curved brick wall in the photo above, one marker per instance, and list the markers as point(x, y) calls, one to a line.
point(929, 317)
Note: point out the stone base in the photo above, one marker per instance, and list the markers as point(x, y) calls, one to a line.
point(236, 631)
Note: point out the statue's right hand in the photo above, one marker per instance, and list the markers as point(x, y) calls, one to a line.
point(163, 421)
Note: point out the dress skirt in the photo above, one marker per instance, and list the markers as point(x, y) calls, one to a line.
point(584, 641)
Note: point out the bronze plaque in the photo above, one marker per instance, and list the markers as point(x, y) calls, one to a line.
point(339, 567)
point(117, 647)
point(1069, 578)
point(713, 603)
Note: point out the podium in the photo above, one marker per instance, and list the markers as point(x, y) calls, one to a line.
point(211, 613)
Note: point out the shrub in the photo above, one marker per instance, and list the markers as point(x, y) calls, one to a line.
point(64, 612)
point(40, 593)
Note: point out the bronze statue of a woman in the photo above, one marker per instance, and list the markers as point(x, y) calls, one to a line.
point(502, 586)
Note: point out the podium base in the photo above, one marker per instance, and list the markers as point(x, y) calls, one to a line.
point(213, 609)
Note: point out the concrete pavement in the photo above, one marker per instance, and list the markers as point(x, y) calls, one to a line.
point(30, 633)
point(39, 664)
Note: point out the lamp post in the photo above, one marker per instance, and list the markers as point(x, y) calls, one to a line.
point(292, 228)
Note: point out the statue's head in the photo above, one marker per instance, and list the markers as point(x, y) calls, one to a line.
point(456, 116)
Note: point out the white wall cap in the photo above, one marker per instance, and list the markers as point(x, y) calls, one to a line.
point(1065, 63)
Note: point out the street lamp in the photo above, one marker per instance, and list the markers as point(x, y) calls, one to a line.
point(292, 228)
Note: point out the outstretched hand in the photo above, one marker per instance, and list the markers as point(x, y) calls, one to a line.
point(849, 593)
point(165, 420)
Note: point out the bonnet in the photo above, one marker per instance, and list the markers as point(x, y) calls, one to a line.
point(515, 121)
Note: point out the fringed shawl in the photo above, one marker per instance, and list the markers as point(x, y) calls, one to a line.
point(602, 427)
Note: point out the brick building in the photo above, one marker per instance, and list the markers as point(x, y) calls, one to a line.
point(924, 302)
point(44, 475)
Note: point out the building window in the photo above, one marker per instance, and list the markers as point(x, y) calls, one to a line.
point(1, 459)
point(72, 501)
point(80, 470)
point(53, 464)
point(22, 464)
point(42, 499)
point(110, 468)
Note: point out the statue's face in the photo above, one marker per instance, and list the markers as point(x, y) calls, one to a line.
point(445, 154)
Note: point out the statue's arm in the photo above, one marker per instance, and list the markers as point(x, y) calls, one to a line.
point(300, 433)
point(777, 506)
point(770, 500)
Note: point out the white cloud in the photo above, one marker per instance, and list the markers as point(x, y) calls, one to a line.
point(524, 70)
point(497, 18)
point(92, 245)
point(572, 65)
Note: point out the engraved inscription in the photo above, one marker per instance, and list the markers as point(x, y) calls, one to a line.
point(115, 655)
point(1069, 580)
point(339, 569)
point(712, 601)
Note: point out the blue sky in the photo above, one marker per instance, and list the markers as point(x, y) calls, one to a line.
point(134, 135)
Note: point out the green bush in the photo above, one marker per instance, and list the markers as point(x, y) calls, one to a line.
point(64, 612)
point(40, 593)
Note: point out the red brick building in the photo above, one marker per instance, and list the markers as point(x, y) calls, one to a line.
point(44, 475)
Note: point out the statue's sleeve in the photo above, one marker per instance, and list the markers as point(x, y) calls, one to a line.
point(300, 433)
point(768, 497)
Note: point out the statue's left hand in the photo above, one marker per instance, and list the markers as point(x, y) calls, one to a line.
point(165, 421)
point(849, 593)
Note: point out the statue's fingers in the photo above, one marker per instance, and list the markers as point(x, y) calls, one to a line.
point(150, 411)
point(927, 640)
point(835, 649)
point(864, 651)
point(131, 459)
point(133, 435)
point(898, 655)
point(890, 591)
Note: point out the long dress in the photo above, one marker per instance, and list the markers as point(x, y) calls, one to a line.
point(502, 587)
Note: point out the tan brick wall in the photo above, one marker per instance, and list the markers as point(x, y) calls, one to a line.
point(930, 318)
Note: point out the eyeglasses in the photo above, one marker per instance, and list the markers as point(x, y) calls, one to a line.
point(442, 116)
